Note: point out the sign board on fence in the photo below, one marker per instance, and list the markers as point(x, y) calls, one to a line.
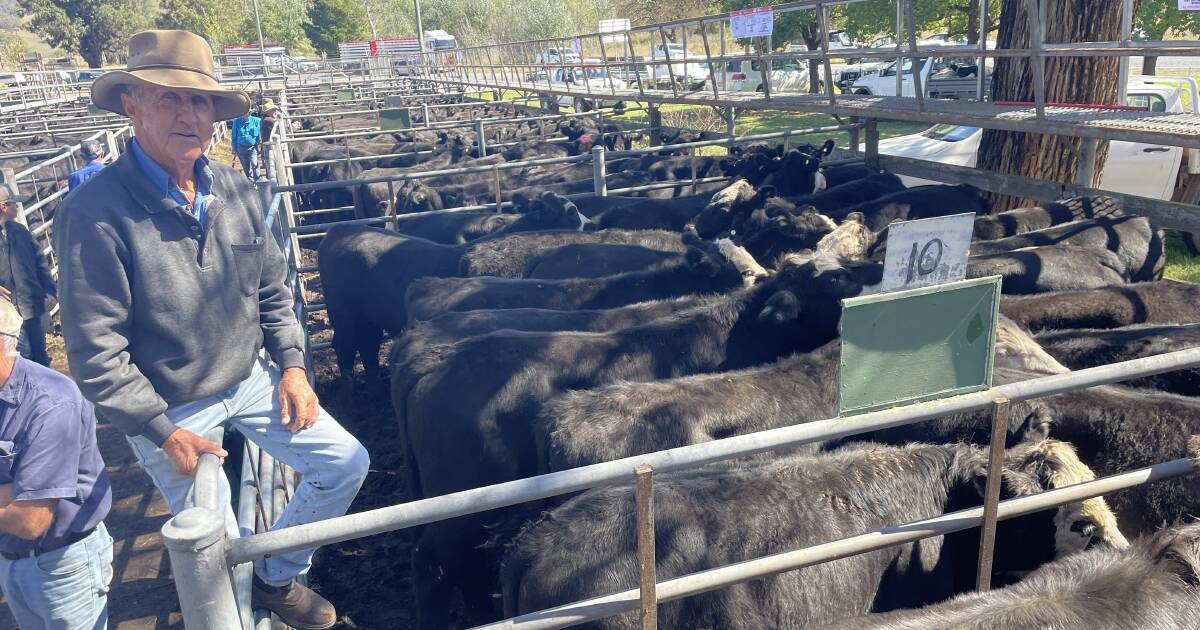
point(390, 119)
point(916, 345)
point(757, 22)
point(346, 94)
point(927, 251)
point(1189, 5)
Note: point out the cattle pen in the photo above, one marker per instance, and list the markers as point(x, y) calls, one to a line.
point(482, 92)
point(201, 552)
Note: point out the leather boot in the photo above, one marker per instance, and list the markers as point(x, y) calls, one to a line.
point(297, 605)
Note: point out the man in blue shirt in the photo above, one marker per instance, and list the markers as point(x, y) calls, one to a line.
point(55, 554)
point(93, 152)
point(244, 134)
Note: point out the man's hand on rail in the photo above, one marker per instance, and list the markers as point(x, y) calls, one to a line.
point(297, 400)
point(184, 448)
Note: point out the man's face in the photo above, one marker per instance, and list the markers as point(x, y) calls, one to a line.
point(8, 210)
point(171, 125)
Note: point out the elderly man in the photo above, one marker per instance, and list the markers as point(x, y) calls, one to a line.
point(172, 288)
point(55, 555)
point(25, 279)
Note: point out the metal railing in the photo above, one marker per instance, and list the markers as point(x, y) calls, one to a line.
point(195, 536)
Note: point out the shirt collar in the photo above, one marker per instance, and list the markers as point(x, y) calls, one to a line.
point(11, 387)
point(162, 182)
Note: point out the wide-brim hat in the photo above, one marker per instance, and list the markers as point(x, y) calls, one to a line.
point(178, 60)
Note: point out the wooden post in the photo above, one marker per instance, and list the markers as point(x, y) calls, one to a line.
point(647, 571)
point(1086, 169)
point(655, 126)
point(496, 186)
point(987, 530)
point(872, 156)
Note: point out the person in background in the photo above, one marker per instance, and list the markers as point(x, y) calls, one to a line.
point(93, 152)
point(244, 134)
point(55, 554)
point(174, 295)
point(25, 279)
point(270, 115)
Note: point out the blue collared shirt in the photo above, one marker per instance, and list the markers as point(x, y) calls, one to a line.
point(158, 176)
point(84, 174)
point(48, 451)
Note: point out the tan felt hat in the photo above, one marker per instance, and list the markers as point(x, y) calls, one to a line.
point(179, 60)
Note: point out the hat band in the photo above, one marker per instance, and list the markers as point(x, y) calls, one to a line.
point(171, 66)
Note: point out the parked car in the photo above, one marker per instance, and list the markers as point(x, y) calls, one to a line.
point(403, 66)
point(1135, 168)
point(576, 78)
point(557, 55)
point(941, 77)
point(87, 76)
point(746, 76)
point(691, 73)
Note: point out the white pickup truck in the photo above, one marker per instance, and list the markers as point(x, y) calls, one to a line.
point(1134, 168)
point(691, 73)
point(584, 78)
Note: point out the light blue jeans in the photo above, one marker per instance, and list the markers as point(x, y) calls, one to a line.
point(64, 589)
point(331, 462)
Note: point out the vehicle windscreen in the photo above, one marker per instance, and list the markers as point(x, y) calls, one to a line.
point(950, 133)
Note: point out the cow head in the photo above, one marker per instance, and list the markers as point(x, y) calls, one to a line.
point(786, 233)
point(1026, 542)
point(717, 217)
point(851, 240)
point(551, 211)
point(727, 265)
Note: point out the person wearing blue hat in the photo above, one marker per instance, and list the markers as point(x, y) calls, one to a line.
point(93, 152)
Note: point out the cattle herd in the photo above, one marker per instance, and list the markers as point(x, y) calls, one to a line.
point(574, 328)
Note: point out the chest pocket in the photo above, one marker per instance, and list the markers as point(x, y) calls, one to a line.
point(248, 259)
point(8, 454)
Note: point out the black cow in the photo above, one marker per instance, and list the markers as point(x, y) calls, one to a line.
point(365, 272)
point(729, 513)
point(1131, 238)
point(507, 257)
point(592, 260)
point(919, 202)
point(1151, 584)
point(710, 267)
point(1022, 220)
point(467, 409)
point(455, 228)
point(1078, 349)
point(1159, 302)
point(1052, 268)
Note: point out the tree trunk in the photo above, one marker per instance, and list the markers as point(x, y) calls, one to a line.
point(1149, 64)
point(812, 40)
point(1068, 80)
point(972, 22)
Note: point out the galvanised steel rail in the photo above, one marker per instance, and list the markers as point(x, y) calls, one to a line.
point(195, 536)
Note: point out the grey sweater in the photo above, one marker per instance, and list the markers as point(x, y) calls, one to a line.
point(155, 312)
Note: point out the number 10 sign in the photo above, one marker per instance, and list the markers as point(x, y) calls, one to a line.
point(927, 252)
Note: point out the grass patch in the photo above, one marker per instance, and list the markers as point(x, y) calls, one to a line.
point(1181, 264)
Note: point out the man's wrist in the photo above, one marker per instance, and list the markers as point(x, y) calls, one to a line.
point(159, 429)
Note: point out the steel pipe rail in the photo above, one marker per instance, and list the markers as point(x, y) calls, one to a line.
point(712, 579)
point(510, 493)
point(206, 487)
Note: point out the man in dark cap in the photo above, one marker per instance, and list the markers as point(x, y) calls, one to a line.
point(93, 152)
point(25, 279)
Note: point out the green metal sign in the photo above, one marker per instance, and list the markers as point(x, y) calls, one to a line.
point(327, 86)
point(345, 94)
point(917, 345)
point(390, 119)
point(95, 111)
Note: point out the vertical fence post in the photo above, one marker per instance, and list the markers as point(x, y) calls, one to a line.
point(425, 112)
point(1086, 168)
point(496, 186)
point(599, 171)
point(647, 571)
point(196, 541)
point(987, 529)
point(981, 68)
point(872, 156)
point(1033, 11)
point(655, 126)
point(854, 143)
point(479, 139)
point(730, 122)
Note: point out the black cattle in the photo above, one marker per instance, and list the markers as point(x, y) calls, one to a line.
point(455, 228)
point(596, 260)
point(1078, 349)
point(1159, 302)
point(719, 218)
point(621, 420)
point(710, 267)
point(365, 272)
point(770, 239)
point(641, 213)
point(1152, 584)
point(1022, 220)
point(919, 202)
point(730, 513)
point(1132, 238)
point(453, 326)
point(508, 257)
point(799, 171)
point(1052, 268)
point(467, 409)
point(837, 175)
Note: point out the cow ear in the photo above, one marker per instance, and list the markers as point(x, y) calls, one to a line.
point(827, 147)
point(690, 237)
point(766, 192)
point(1035, 427)
point(781, 308)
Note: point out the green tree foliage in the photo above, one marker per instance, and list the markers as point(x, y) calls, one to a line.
point(98, 30)
point(865, 21)
point(11, 48)
point(214, 20)
point(1155, 19)
point(282, 23)
point(333, 21)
